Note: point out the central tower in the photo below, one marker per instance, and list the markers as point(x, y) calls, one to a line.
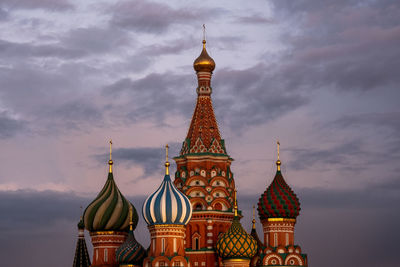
point(204, 174)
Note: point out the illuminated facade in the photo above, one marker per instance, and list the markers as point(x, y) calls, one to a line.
point(193, 220)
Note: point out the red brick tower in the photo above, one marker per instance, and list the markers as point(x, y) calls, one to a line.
point(166, 212)
point(204, 174)
point(107, 220)
point(278, 209)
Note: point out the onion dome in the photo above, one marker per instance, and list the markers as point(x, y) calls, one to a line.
point(279, 200)
point(167, 205)
point(130, 252)
point(81, 258)
point(109, 211)
point(236, 243)
point(204, 62)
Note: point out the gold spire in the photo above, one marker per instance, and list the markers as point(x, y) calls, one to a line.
point(110, 162)
point(278, 162)
point(235, 204)
point(204, 36)
point(254, 217)
point(166, 160)
point(130, 218)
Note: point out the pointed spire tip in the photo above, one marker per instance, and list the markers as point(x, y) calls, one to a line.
point(278, 162)
point(166, 160)
point(110, 162)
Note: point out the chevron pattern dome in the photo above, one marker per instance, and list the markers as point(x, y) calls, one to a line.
point(167, 205)
point(279, 200)
point(236, 243)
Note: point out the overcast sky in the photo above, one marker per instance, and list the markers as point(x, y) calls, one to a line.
point(323, 77)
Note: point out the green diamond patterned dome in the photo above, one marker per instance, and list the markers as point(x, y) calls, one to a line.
point(236, 243)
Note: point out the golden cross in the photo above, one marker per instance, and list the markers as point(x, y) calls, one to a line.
point(278, 147)
point(166, 160)
point(110, 149)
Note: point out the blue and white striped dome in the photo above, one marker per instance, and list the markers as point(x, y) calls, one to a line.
point(167, 205)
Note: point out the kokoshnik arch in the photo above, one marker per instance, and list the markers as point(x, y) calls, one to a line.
point(193, 220)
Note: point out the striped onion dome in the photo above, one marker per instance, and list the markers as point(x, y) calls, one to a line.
point(236, 243)
point(130, 252)
point(279, 200)
point(109, 211)
point(167, 205)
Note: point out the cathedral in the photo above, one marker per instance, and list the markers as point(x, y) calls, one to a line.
point(193, 217)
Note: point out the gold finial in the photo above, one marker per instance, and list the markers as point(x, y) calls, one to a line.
point(166, 160)
point(130, 218)
point(278, 162)
point(254, 217)
point(235, 203)
point(110, 162)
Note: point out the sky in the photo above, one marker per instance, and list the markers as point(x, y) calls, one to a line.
point(323, 77)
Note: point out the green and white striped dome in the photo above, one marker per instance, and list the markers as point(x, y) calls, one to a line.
point(110, 210)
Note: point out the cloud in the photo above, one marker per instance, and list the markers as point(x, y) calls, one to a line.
point(385, 124)
point(153, 17)
point(170, 47)
point(154, 96)
point(9, 126)
point(25, 50)
point(151, 159)
point(52, 5)
point(255, 19)
point(93, 41)
point(3, 14)
point(344, 45)
point(252, 96)
point(338, 155)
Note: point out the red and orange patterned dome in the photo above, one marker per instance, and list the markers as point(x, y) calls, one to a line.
point(279, 200)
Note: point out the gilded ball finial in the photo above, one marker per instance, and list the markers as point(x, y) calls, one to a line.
point(204, 63)
point(166, 160)
point(110, 161)
point(278, 162)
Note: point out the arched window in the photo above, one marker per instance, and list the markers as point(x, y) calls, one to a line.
point(196, 241)
point(198, 206)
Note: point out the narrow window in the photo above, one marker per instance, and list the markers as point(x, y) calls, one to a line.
point(105, 255)
point(275, 240)
point(287, 239)
point(163, 245)
point(196, 243)
point(174, 245)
